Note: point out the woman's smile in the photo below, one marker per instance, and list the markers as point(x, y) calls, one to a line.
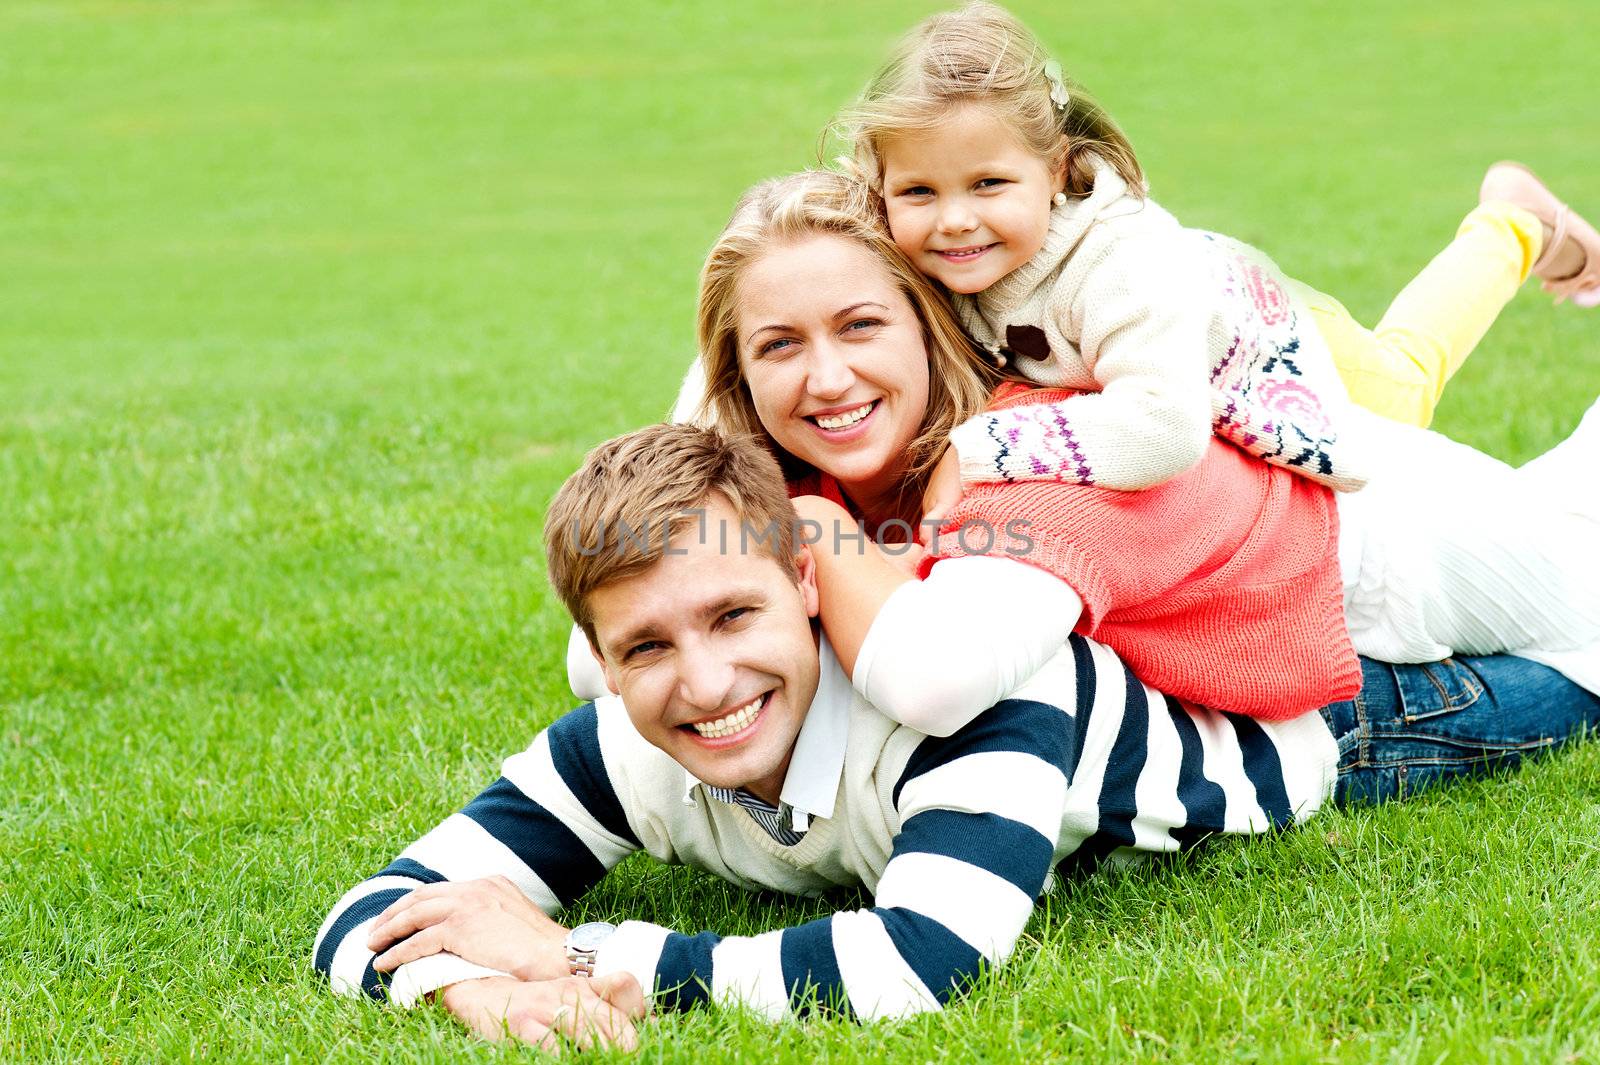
point(841, 424)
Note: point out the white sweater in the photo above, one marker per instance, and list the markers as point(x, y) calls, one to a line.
point(1176, 332)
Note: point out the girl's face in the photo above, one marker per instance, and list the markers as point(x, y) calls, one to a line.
point(968, 202)
point(834, 356)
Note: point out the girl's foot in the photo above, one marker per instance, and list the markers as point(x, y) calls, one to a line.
point(1569, 265)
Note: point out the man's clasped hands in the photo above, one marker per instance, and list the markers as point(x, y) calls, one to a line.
point(491, 923)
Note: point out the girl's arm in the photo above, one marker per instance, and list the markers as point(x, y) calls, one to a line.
point(934, 654)
point(1139, 315)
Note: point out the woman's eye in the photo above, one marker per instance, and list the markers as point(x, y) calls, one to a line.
point(861, 325)
point(773, 347)
point(917, 190)
point(992, 183)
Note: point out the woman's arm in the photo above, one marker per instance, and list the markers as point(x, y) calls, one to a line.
point(934, 654)
point(584, 675)
point(855, 576)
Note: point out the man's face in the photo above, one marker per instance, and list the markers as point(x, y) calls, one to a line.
point(713, 653)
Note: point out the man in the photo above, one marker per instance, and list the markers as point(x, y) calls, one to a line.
point(738, 746)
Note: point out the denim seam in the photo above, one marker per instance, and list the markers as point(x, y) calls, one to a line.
point(1363, 729)
point(1482, 756)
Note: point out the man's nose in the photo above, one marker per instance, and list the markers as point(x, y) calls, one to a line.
point(705, 676)
point(828, 373)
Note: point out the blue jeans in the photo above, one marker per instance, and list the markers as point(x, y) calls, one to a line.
point(1415, 726)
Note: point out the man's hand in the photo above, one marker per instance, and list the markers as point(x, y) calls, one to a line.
point(489, 922)
point(550, 1014)
point(941, 495)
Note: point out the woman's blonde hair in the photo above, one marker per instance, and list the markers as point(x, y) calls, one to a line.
point(981, 54)
point(823, 202)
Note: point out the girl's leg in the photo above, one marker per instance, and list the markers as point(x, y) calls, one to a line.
point(1448, 551)
point(1399, 369)
point(1414, 726)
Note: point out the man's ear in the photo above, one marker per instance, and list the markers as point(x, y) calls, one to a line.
point(806, 566)
point(605, 670)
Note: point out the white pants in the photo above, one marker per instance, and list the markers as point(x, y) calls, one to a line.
point(1448, 551)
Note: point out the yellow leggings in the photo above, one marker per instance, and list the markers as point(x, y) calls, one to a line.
point(1400, 368)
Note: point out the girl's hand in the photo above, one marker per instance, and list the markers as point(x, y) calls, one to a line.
point(487, 922)
point(941, 495)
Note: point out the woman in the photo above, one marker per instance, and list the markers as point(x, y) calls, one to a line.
point(850, 365)
point(817, 334)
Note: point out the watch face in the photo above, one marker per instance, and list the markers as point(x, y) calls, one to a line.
point(591, 935)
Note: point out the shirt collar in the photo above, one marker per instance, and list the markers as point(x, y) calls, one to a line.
point(811, 785)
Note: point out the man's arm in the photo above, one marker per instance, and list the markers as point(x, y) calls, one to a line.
point(980, 814)
point(552, 825)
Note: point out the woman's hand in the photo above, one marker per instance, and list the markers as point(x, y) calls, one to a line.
point(941, 495)
point(488, 922)
point(551, 1014)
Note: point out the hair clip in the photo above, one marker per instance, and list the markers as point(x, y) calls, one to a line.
point(1058, 85)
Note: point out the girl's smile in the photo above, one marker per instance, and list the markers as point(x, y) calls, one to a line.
point(963, 255)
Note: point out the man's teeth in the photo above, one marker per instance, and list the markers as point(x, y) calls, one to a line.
point(734, 722)
point(845, 420)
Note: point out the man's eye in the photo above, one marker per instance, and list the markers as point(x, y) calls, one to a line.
point(641, 649)
point(735, 614)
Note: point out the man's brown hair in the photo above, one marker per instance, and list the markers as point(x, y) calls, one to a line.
point(614, 517)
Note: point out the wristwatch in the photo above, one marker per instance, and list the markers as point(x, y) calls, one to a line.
point(582, 942)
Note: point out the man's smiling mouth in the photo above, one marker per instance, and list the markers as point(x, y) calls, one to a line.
point(732, 723)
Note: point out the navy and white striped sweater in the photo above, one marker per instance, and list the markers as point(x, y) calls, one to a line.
point(955, 837)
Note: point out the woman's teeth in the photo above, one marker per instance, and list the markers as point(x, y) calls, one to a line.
point(847, 419)
point(726, 726)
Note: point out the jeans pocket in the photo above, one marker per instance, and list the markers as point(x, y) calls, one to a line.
point(1431, 689)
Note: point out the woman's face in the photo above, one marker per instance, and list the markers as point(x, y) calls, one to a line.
point(833, 353)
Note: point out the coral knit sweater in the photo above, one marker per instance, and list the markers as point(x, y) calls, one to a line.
point(1220, 586)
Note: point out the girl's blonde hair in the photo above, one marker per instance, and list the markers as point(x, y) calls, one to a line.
point(822, 202)
point(982, 54)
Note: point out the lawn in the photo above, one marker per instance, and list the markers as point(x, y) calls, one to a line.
point(307, 307)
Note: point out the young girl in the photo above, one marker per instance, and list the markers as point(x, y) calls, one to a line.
point(1007, 185)
point(1018, 194)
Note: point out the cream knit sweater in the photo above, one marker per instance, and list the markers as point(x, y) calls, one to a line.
point(1176, 333)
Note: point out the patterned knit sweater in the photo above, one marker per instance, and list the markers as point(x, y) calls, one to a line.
point(1220, 586)
point(1175, 333)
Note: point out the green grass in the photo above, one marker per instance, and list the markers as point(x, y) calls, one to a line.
point(306, 308)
